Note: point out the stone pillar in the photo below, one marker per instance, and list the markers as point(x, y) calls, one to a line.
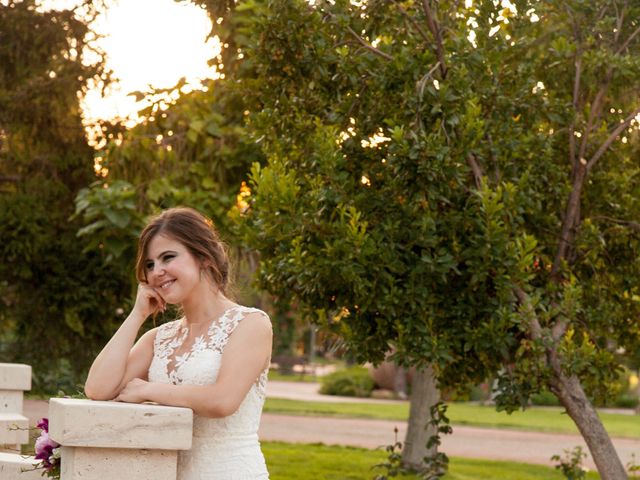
point(15, 379)
point(113, 440)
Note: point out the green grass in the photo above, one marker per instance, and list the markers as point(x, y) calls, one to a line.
point(540, 419)
point(287, 461)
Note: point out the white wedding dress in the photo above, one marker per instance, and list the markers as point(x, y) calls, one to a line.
point(223, 448)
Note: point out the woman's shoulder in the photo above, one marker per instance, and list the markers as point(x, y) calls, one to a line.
point(249, 310)
point(242, 313)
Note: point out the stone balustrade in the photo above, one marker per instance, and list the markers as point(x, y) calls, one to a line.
point(15, 379)
point(18, 467)
point(104, 440)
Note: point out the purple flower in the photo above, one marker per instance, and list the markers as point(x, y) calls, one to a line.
point(43, 424)
point(44, 444)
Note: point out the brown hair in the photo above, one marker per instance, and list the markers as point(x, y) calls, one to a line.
point(196, 233)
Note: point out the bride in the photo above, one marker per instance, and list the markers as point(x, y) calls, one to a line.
point(214, 359)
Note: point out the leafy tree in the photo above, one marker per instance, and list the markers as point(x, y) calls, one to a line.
point(456, 182)
point(188, 149)
point(56, 301)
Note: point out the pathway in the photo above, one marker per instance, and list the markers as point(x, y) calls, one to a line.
point(471, 442)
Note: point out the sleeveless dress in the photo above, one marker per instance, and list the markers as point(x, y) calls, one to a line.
point(223, 448)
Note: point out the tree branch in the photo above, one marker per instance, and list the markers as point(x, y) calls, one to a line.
point(619, 20)
point(559, 328)
point(532, 319)
point(628, 41)
point(570, 219)
point(420, 87)
point(435, 31)
point(627, 223)
point(412, 21)
point(576, 93)
point(596, 108)
point(475, 168)
point(10, 178)
point(607, 143)
point(368, 46)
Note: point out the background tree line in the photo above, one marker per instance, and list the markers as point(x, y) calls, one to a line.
point(457, 182)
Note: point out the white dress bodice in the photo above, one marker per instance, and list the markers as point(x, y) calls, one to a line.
point(223, 448)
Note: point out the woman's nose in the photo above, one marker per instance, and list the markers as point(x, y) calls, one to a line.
point(157, 272)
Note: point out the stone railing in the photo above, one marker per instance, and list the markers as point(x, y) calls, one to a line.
point(109, 440)
point(15, 379)
point(100, 440)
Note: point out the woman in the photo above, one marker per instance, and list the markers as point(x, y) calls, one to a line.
point(214, 359)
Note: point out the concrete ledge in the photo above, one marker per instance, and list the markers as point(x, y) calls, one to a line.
point(13, 429)
point(12, 467)
point(11, 401)
point(88, 423)
point(111, 463)
point(15, 376)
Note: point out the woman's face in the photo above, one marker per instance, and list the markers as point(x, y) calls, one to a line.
point(171, 269)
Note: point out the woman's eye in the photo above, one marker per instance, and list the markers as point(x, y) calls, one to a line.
point(168, 257)
point(149, 266)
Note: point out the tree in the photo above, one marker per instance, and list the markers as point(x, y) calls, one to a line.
point(55, 300)
point(456, 182)
point(188, 149)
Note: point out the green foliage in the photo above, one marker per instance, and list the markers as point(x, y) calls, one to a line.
point(414, 194)
point(58, 300)
point(545, 398)
point(393, 465)
point(571, 464)
point(632, 467)
point(350, 382)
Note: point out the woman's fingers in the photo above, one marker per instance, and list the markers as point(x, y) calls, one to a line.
point(149, 299)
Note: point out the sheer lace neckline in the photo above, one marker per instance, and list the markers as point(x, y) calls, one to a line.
point(183, 324)
point(179, 351)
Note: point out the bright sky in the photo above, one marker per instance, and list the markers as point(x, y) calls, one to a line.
point(148, 42)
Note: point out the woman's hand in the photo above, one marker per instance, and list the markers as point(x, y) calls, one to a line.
point(136, 391)
point(148, 301)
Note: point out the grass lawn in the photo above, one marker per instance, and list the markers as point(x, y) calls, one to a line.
point(287, 461)
point(542, 419)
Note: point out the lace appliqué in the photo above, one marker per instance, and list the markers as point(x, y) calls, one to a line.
point(224, 448)
point(172, 336)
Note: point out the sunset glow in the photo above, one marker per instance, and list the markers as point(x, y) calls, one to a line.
point(148, 43)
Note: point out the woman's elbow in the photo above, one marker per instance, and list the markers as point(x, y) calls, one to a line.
point(94, 393)
point(220, 409)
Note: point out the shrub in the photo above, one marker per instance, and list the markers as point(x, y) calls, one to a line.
point(350, 382)
point(626, 400)
point(545, 399)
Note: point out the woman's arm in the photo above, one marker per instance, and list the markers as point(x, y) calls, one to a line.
point(120, 361)
point(245, 356)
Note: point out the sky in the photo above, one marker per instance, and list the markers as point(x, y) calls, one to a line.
point(148, 42)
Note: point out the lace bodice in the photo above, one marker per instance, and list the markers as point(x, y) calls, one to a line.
point(223, 448)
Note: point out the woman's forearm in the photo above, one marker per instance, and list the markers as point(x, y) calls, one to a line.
point(109, 367)
point(204, 400)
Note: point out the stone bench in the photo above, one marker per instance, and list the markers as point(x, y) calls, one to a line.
point(14, 430)
point(18, 467)
point(103, 440)
point(15, 379)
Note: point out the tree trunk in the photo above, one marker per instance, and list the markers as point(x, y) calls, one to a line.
point(424, 394)
point(572, 396)
point(400, 382)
